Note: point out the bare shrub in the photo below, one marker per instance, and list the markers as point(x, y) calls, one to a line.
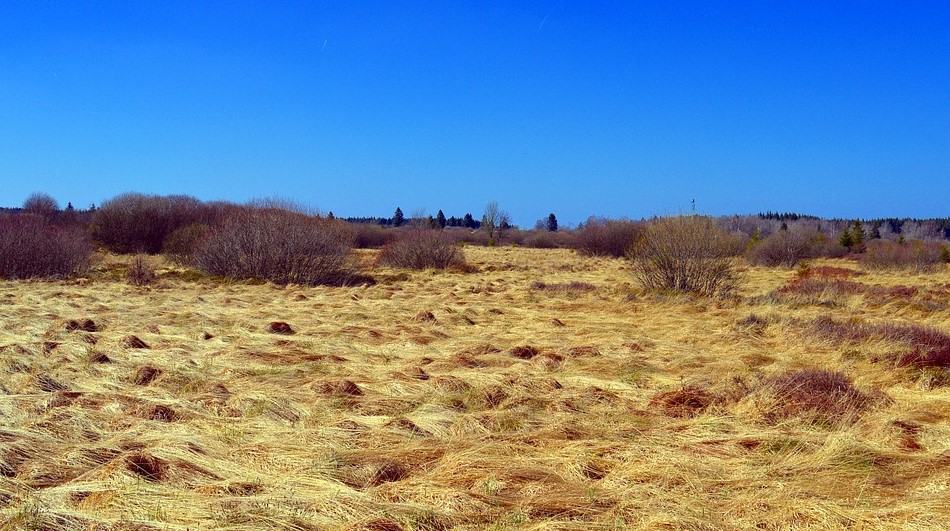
point(276, 245)
point(31, 248)
point(607, 237)
point(141, 272)
point(138, 223)
point(686, 253)
point(783, 248)
point(421, 249)
point(914, 256)
point(372, 236)
point(40, 204)
point(826, 395)
point(466, 236)
point(180, 245)
point(545, 239)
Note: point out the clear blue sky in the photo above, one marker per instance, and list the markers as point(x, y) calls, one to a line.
point(610, 108)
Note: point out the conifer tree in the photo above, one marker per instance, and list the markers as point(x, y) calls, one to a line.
point(398, 218)
point(552, 222)
point(440, 218)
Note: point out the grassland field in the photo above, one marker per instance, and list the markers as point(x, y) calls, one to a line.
point(544, 390)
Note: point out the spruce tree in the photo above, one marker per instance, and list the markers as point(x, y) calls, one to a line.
point(398, 218)
point(846, 239)
point(440, 218)
point(857, 236)
point(552, 222)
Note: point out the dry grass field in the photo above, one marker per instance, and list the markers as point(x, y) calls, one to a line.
point(543, 391)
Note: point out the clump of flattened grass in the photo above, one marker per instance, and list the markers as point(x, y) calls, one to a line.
point(564, 287)
point(826, 395)
point(280, 327)
point(524, 352)
point(134, 342)
point(146, 374)
point(340, 388)
point(687, 401)
point(84, 325)
point(147, 466)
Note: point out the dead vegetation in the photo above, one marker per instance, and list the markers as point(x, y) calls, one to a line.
point(534, 394)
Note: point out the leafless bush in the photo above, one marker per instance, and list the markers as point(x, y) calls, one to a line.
point(180, 245)
point(607, 237)
point(686, 253)
point(783, 248)
point(277, 245)
point(915, 256)
point(140, 272)
point(545, 239)
point(468, 236)
point(372, 236)
point(138, 223)
point(826, 395)
point(421, 249)
point(31, 248)
point(40, 204)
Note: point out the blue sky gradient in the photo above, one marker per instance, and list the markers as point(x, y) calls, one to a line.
point(838, 109)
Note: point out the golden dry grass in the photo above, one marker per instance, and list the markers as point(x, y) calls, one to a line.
point(514, 397)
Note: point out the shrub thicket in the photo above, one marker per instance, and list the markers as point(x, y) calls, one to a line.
point(686, 253)
point(371, 235)
point(138, 223)
point(32, 248)
point(421, 249)
point(913, 256)
point(607, 237)
point(180, 245)
point(784, 248)
point(277, 245)
point(40, 204)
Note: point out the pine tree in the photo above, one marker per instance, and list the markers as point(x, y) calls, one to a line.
point(398, 218)
point(552, 222)
point(440, 218)
point(468, 221)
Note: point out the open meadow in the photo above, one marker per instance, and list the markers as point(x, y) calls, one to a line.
point(539, 390)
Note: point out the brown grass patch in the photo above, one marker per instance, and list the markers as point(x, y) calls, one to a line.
point(344, 388)
point(147, 466)
point(146, 374)
point(280, 327)
point(134, 342)
point(84, 325)
point(685, 402)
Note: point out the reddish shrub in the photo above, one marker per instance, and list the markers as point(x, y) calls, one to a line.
point(277, 245)
point(422, 249)
point(32, 248)
point(783, 248)
point(914, 256)
point(139, 223)
point(372, 236)
point(180, 245)
point(825, 394)
point(607, 237)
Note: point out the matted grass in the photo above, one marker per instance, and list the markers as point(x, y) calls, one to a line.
point(470, 400)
